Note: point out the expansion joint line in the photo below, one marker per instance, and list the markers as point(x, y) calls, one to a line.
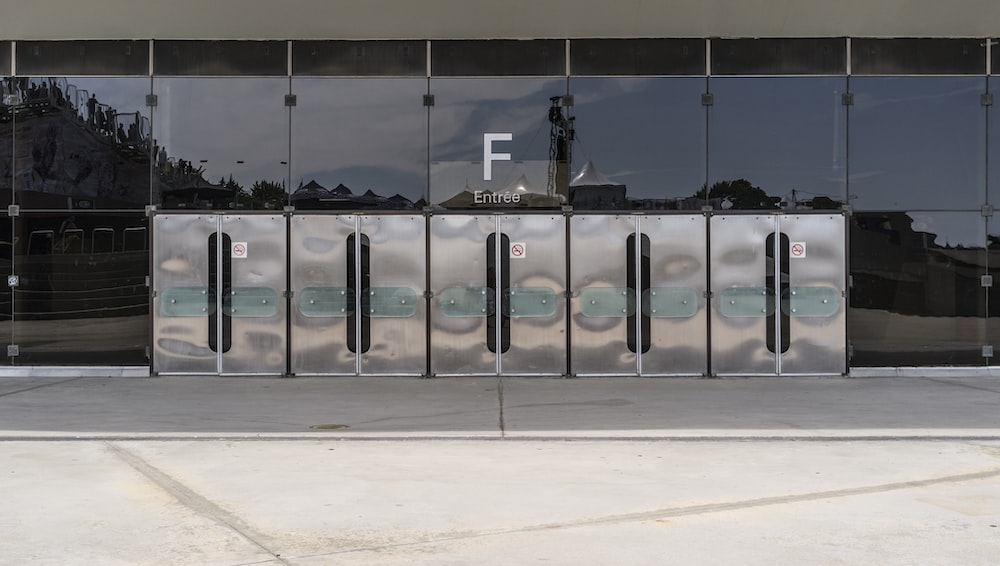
point(192, 500)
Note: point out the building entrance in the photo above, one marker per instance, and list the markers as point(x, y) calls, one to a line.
point(499, 294)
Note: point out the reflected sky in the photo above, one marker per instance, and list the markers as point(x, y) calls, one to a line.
point(917, 142)
point(646, 133)
point(230, 127)
point(781, 134)
point(913, 142)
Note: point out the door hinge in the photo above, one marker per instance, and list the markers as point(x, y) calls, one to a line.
point(986, 99)
point(291, 100)
point(986, 281)
point(428, 100)
point(707, 99)
point(14, 210)
point(847, 99)
point(987, 210)
point(13, 351)
point(988, 351)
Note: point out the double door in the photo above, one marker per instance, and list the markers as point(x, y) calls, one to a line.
point(357, 303)
point(778, 294)
point(638, 303)
point(498, 294)
point(218, 294)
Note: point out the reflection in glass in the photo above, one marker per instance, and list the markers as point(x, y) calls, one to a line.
point(6, 292)
point(529, 169)
point(917, 296)
point(777, 143)
point(359, 143)
point(222, 143)
point(917, 143)
point(644, 136)
point(82, 296)
point(8, 102)
point(82, 142)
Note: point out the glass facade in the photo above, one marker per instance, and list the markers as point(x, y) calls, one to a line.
point(901, 131)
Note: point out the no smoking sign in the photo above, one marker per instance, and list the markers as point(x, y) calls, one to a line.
point(797, 250)
point(239, 250)
point(518, 250)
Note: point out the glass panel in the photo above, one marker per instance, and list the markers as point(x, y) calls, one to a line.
point(526, 302)
point(4, 58)
point(918, 56)
point(779, 56)
point(360, 58)
point(76, 306)
point(390, 302)
point(498, 57)
point(382, 164)
point(466, 301)
point(187, 301)
point(220, 58)
point(811, 302)
point(250, 302)
point(917, 143)
point(917, 297)
point(326, 302)
point(9, 99)
point(61, 58)
point(82, 143)
point(596, 57)
point(516, 115)
point(746, 302)
point(607, 302)
point(6, 291)
point(777, 142)
point(222, 143)
point(640, 143)
point(670, 302)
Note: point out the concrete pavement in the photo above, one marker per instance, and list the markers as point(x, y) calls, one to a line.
point(305, 471)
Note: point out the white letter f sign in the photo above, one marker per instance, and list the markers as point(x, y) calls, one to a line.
point(489, 157)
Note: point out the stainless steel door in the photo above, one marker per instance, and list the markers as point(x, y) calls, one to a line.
point(323, 303)
point(358, 294)
point(673, 283)
point(463, 301)
point(814, 304)
point(392, 266)
point(638, 286)
point(253, 299)
point(184, 296)
point(778, 287)
point(531, 252)
point(498, 283)
point(218, 294)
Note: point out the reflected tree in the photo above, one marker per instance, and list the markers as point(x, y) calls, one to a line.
point(742, 195)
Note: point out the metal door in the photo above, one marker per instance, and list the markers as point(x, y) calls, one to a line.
point(638, 295)
point(498, 294)
point(358, 295)
point(778, 285)
point(203, 261)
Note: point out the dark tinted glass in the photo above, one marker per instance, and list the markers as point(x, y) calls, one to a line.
point(823, 56)
point(82, 297)
point(359, 58)
point(359, 143)
point(637, 57)
point(917, 143)
point(4, 58)
point(222, 142)
point(6, 292)
point(8, 107)
point(524, 144)
point(220, 58)
point(84, 143)
point(498, 57)
point(777, 142)
point(995, 58)
point(639, 143)
point(917, 297)
point(918, 57)
point(83, 57)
